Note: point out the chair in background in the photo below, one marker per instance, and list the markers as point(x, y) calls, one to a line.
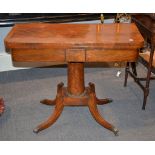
point(146, 25)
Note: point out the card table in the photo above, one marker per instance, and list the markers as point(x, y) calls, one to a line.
point(74, 44)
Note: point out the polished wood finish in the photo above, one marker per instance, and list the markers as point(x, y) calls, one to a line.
point(94, 110)
point(57, 111)
point(75, 55)
point(35, 55)
point(66, 36)
point(2, 106)
point(74, 44)
point(111, 55)
point(76, 78)
point(87, 99)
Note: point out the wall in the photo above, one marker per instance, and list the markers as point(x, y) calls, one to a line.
point(5, 58)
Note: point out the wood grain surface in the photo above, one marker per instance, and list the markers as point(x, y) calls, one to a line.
point(37, 42)
point(75, 44)
point(41, 35)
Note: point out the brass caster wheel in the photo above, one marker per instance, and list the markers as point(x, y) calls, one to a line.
point(115, 131)
point(36, 130)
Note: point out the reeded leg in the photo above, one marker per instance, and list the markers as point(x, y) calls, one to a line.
point(99, 101)
point(2, 106)
point(48, 102)
point(126, 74)
point(95, 113)
point(57, 111)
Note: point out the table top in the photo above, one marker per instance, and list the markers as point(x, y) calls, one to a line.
point(44, 35)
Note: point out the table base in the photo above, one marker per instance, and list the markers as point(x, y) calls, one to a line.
point(88, 98)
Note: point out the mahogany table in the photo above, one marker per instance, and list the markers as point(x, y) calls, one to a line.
point(74, 44)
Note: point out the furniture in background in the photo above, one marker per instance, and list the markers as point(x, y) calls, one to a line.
point(2, 106)
point(10, 19)
point(146, 25)
point(74, 44)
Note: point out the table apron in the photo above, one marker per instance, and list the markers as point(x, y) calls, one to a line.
point(74, 55)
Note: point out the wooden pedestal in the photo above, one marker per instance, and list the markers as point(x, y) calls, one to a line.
point(76, 94)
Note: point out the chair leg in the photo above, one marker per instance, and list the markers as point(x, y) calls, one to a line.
point(146, 93)
point(126, 73)
point(133, 66)
point(146, 88)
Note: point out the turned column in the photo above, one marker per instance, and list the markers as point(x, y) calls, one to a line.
point(75, 78)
